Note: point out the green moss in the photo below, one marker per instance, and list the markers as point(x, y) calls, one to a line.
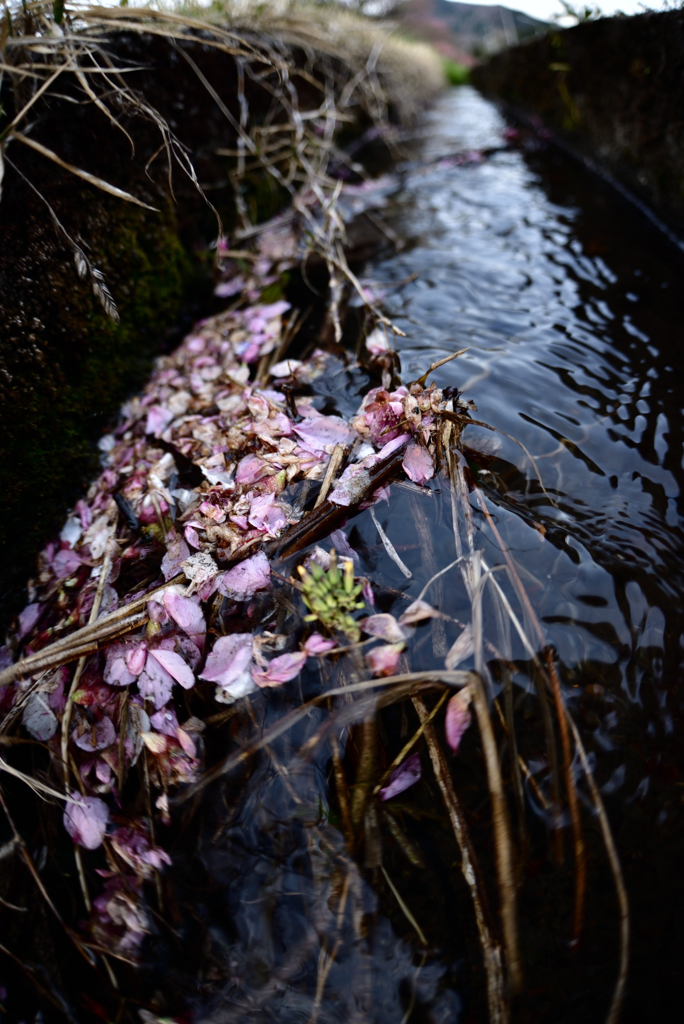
point(84, 365)
point(455, 73)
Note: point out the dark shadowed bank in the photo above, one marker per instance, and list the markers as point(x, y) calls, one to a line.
point(612, 89)
point(65, 365)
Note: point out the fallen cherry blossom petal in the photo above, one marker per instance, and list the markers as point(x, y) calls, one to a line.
point(228, 664)
point(38, 718)
point(71, 531)
point(377, 342)
point(117, 671)
point(286, 367)
point(403, 777)
point(225, 289)
point(165, 721)
point(136, 657)
point(175, 666)
point(367, 591)
point(243, 580)
point(383, 660)
point(392, 447)
point(28, 619)
point(418, 464)
point(86, 820)
point(155, 742)
point(461, 648)
point(280, 670)
point(190, 535)
point(384, 626)
point(176, 552)
point(317, 644)
point(339, 541)
point(155, 683)
point(321, 432)
point(134, 847)
point(418, 611)
point(265, 515)
point(186, 743)
point(187, 614)
point(212, 511)
point(250, 469)
point(458, 718)
point(97, 737)
point(65, 563)
point(158, 419)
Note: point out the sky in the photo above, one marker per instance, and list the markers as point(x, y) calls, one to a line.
point(546, 9)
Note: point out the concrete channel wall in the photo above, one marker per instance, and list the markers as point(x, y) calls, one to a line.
point(612, 89)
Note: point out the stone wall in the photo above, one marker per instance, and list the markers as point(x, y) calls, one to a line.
point(614, 90)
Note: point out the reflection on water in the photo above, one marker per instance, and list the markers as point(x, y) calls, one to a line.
point(570, 307)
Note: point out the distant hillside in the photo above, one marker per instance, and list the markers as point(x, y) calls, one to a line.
point(471, 28)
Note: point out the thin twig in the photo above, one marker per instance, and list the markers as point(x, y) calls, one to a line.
point(389, 546)
point(498, 1006)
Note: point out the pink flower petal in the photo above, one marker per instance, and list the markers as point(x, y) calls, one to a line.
point(228, 664)
point(104, 736)
point(38, 718)
point(377, 342)
point(156, 683)
point(250, 469)
point(117, 672)
point(190, 534)
point(243, 580)
point(165, 722)
point(158, 419)
point(317, 644)
point(338, 539)
point(86, 820)
point(186, 742)
point(186, 613)
point(176, 552)
point(265, 515)
point(280, 670)
point(418, 612)
point(458, 718)
point(65, 563)
point(136, 657)
point(382, 661)
point(404, 775)
point(392, 447)
point(418, 464)
point(322, 432)
point(175, 666)
point(28, 619)
point(384, 626)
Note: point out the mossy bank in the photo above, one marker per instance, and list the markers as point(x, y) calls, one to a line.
point(65, 366)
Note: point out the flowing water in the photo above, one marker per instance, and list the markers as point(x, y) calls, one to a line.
point(569, 304)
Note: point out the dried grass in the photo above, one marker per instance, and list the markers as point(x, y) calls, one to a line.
point(361, 69)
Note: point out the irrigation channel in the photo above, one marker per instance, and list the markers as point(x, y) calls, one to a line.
point(287, 902)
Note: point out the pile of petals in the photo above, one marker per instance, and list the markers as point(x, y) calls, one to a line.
point(199, 475)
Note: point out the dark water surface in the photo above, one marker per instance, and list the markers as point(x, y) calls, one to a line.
point(570, 304)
